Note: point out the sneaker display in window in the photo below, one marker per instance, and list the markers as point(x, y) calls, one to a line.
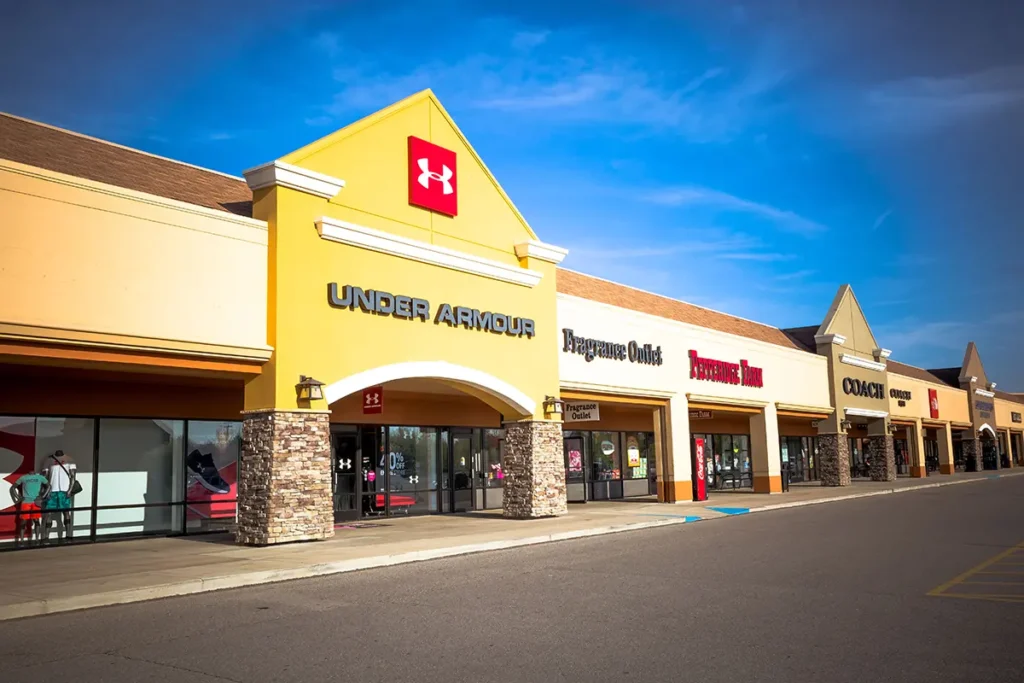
point(203, 471)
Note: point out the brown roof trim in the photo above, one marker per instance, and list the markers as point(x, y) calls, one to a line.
point(597, 289)
point(1007, 396)
point(63, 151)
point(915, 373)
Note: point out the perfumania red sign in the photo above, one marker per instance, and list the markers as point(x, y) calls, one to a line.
point(727, 373)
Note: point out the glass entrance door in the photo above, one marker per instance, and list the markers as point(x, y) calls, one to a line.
point(346, 472)
point(461, 468)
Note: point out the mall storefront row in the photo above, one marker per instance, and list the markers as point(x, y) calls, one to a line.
point(373, 330)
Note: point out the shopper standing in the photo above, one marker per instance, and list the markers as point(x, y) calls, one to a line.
point(62, 474)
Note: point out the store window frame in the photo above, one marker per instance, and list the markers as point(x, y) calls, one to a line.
point(94, 508)
point(809, 465)
point(714, 476)
point(612, 488)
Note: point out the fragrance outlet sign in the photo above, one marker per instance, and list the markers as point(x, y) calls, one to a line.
point(581, 412)
point(595, 348)
point(411, 308)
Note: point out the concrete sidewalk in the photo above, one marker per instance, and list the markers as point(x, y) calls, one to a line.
point(76, 577)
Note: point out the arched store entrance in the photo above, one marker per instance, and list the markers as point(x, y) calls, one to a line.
point(419, 438)
point(989, 447)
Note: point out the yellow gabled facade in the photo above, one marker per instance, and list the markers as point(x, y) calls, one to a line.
point(368, 235)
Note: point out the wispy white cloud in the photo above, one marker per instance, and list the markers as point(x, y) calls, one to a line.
point(765, 257)
point(527, 40)
point(882, 218)
point(692, 196)
point(574, 83)
point(795, 275)
point(923, 105)
point(220, 136)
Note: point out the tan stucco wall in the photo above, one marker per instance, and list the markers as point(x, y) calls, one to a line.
point(953, 404)
point(82, 257)
point(1004, 414)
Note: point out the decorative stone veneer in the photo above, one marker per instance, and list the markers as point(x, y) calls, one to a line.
point(972, 454)
point(284, 478)
point(834, 459)
point(534, 467)
point(883, 458)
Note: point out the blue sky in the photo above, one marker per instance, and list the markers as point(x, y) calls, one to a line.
point(746, 157)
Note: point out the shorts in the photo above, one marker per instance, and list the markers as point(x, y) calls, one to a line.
point(29, 512)
point(57, 500)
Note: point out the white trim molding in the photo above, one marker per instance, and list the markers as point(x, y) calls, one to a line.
point(294, 178)
point(856, 361)
point(541, 251)
point(865, 412)
point(489, 384)
point(724, 402)
point(881, 353)
point(798, 408)
point(989, 428)
point(968, 379)
point(613, 391)
point(986, 394)
point(386, 243)
point(829, 339)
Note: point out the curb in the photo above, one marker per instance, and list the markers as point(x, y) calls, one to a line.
point(34, 608)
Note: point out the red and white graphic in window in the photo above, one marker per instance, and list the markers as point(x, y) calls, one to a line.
point(433, 181)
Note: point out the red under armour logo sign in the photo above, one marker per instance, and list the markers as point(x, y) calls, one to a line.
point(373, 400)
point(433, 180)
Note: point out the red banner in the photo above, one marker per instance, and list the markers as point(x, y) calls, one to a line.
point(933, 403)
point(700, 485)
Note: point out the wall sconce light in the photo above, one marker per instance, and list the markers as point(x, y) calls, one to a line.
point(309, 389)
point(893, 429)
point(846, 425)
point(552, 405)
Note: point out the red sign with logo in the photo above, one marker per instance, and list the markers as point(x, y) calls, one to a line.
point(933, 403)
point(433, 181)
point(373, 400)
point(700, 484)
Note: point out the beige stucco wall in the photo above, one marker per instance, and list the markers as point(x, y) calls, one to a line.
point(1004, 414)
point(953, 404)
point(790, 376)
point(92, 261)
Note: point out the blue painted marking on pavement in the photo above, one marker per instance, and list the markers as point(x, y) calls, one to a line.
point(685, 518)
point(730, 511)
point(994, 476)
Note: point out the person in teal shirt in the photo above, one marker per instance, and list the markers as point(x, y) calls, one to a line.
point(29, 492)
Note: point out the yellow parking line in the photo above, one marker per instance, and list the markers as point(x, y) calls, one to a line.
point(940, 590)
point(1003, 573)
point(990, 598)
point(992, 583)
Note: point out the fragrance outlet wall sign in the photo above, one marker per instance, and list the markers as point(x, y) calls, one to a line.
point(590, 349)
point(411, 308)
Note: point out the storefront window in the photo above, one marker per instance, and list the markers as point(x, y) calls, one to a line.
point(141, 471)
point(605, 456)
point(491, 474)
point(39, 503)
point(728, 460)
point(211, 470)
point(412, 461)
point(639, 448)
point(798, 452)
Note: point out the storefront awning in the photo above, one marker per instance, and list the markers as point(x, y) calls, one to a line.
point(736, 405)
point(808, 412)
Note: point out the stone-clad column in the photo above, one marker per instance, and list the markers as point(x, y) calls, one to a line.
point(972, 452)
point(534, 467)
point(834, 459)
point(883, 458)
point(284, 478)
